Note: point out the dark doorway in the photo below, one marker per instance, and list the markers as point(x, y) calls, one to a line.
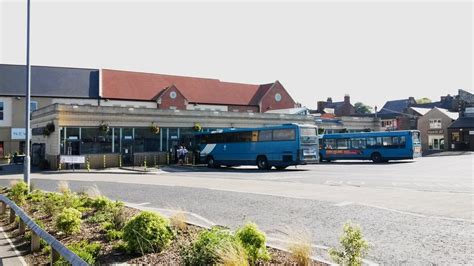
point(127, 153)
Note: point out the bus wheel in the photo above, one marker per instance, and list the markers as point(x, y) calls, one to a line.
point(262, 163)
point(210, 162)
point(376, 157)
point(280, 168)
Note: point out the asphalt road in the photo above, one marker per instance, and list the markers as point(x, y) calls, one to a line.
point(411, 212)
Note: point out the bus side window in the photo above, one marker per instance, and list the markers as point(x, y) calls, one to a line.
point(402, 142)
point(329, 144)
point(265, 135)
point(342, 144)
point(371, 142)
point(254, 136)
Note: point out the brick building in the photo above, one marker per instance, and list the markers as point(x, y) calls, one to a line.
point(190, 93)
point(344, 108)
point(433, 127)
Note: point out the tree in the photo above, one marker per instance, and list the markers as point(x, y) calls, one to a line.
point(423, 100)
point(361, 108)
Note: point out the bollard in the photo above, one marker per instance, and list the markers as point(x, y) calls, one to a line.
point(59, 167)
point(21, 227)
point(12, 216)
point(35, 242)
point(105, 164)
point(167, 158)
point(194, 159)
point(144, 163)
point(120, 160)
point(154, 160)
point(88, 164)
point(3, 208)
point(54, 256)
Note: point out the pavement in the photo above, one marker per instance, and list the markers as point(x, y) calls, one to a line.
point(8, 253)
point(412, 212)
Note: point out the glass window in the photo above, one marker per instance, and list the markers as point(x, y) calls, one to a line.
point(387, 141)
point(1, 110)
point(308, 131)
point(455, 137)
point(403, 142)
point(95, 141)
point(146, 140)
point(284, 134)
point(342, 144)
point(358, 143)
point(329, 144)
point(33, 106)
point(371, 142)
point(265, 135)
point(435, 123)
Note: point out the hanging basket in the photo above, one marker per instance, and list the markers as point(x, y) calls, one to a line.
point(104, 127)
point(197, 127)
point(155, 129)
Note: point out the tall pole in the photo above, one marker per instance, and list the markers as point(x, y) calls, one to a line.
point(26, 177)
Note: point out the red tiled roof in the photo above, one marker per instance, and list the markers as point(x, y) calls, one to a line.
point(145, 86)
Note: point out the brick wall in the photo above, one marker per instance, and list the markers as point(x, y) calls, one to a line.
point(179, 102)
point(270, 103)
point(243, 109)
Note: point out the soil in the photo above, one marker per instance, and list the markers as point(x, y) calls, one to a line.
point(108, 255)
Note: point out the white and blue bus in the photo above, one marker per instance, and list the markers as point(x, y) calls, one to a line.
point(375, 146)
point(278, 146)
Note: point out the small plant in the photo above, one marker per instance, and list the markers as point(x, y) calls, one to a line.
point(69, 221)
point(197, 127)
point(147, 232)
point(178, 220)
point(113, 234)
point(232, 254)
point(353, 246)
point(300, 249)
point(86, 251)
point(18, 192)
point(120, 246)
point(52, 203)
point(253, 241)
point(208, 247)
point(63, 187)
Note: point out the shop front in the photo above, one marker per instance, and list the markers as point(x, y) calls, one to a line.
point(119, 136)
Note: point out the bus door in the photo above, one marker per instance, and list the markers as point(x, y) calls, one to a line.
point(358, 148)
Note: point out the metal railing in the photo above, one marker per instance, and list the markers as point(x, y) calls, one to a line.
point(57, 248)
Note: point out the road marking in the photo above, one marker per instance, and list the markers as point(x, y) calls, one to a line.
point(20, 257)
point(142, 204)
point(344, 203)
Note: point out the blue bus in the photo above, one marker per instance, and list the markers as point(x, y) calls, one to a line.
point(375, 146)
point(279, 146)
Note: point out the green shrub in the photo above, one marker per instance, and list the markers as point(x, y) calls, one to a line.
point(354, 246)
point(120, 246)
point(52, 203)
point(86, 251)
point(69, 221)
point(253, 241)
point(37, 196)
point(113, 234)
point(206, 249)
point(19, 192)
point(147, 232)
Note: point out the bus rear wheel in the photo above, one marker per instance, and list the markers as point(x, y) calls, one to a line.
point(262, 163)
point(376, 157)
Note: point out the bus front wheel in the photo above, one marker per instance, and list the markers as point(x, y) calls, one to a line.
point(376, 157)
point(262, 163)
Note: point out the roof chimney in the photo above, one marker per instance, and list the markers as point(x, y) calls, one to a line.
point(347, 99)
point(329, 100)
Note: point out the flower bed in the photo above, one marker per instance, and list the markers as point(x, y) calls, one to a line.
point(102, 231)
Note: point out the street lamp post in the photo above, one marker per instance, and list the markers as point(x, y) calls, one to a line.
point(27, 161)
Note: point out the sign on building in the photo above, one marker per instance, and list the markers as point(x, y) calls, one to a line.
point(72, 159)
point(18, 133)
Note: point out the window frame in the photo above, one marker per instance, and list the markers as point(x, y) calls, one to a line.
point(2, 110)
